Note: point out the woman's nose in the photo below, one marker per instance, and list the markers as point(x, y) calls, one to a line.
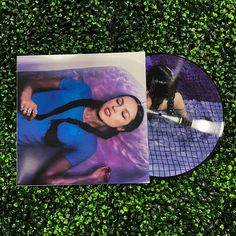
point(115, 108)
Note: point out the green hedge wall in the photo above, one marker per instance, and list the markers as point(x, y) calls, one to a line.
point(199, 203)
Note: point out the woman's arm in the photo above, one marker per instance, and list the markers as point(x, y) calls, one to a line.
point(179, 105)
point(149, 101)
point(55, 175)
point(27, 106)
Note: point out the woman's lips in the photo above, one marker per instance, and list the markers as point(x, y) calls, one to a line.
point(107, 111)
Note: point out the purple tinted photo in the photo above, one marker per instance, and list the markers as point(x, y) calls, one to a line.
point(174, 150)
point(121, 157)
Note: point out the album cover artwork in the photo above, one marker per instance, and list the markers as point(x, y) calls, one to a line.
point(185, 115)
point(81, 119)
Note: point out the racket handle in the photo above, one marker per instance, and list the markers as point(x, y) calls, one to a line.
point(210, 127)
point(185, 122)
point(213, 128)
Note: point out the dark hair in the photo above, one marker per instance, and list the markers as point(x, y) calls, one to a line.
point(161, 85)
point(103, 132)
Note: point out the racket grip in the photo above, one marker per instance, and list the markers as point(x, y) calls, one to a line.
point(184, 122)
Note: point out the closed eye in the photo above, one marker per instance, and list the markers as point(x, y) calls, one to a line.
point(125, 115)
point(120, 101)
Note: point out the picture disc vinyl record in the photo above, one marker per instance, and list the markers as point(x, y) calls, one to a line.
point(185, 115)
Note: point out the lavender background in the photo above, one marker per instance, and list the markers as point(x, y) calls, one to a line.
point(126, 153)
point(174, 150)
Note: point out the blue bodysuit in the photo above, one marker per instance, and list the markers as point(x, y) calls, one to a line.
point(81, 143)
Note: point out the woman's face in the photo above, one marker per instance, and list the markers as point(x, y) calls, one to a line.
point(118, 112)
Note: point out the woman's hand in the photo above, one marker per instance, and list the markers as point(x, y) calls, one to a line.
point(101, 175)
point(27, 106)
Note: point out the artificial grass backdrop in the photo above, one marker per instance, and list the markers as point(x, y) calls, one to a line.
point(200, 203)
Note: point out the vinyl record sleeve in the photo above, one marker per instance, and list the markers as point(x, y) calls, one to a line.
point(63, 142)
